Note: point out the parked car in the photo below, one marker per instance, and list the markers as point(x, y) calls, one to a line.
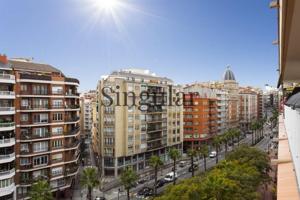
point(144, 192)
point(182, 163)
point(194, 166)
point(142, 181)
point(160, 183)
point(213, 154)
point(100, 198)
point(170, 177)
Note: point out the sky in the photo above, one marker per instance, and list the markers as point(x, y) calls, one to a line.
point(185, 40)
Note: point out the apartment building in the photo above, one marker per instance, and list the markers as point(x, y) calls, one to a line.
point(47, 127)
point(7, 131)
point(200, 120)
point(228, 95)
point(248, 107)
point(288, 163)
point(86, 115)
point(130, 134)
point(220, 95)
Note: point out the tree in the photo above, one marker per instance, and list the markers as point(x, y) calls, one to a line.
point(253, 127)
point(237, 134)
point(40, 191)
point(203, 152)
point(89, 180)
point(217, 141)
point(192, 153)
point(225, 138)
point(174, 154)
point(156, 163)
point(128, 179)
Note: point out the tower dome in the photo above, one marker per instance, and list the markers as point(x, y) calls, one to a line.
point(228, 75)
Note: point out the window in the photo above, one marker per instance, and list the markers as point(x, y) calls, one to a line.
point(24, 161)
point(6, 182)
point(57, 89)
point(40, 146)
point(40, 118)
point(24, 88)
point(56, 171)
point(57, 103)
point(24, 103)
point(57, 117)
point(40, 160)
point(24, 117)
point(40, 89)
point(24, 147)
point(40, 132)
point(57, 130)
point(57, 143)
point(57, 157)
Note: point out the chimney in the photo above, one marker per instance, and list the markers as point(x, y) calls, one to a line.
point(3, 59)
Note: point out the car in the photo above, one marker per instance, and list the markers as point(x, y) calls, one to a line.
point(100, 198)
point(213, 154)
point(194, 166)
point(144, 192)
point(182, 163)
point(170, 177)
point(160, 183)
point(142, 181)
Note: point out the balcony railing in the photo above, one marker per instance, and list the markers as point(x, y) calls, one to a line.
point(7, 140)
point(10, 93)
point(72, 132)
point(71, 119)
point(7, 172)
point(7, 109)
point(8, 155)
point(7, 76)
point(71, 144)
point(73, 80)
point(29, 136)
point(7, 124)
point(35, 107)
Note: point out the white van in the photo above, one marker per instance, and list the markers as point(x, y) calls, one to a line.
point(170, 177)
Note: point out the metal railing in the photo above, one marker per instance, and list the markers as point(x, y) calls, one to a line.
point(7, 124)
point(7, 93)
point(7, 76)
point(7, 156)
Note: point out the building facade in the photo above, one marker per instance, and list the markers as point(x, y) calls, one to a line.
point(86, 113)
point(139, 124)
point(7, 131)
point(47, 127)
point(248, 107)
point(200, 120)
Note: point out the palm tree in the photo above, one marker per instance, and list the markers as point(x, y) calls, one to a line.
point(192, 153)
point(156, 163)
point(217, 141)
point(203, 152)
point(253, 127)
point(128, 179)
point(237, 134)
point(225, 138)
point(174, 154)
point(89, 180)
point(40, 190)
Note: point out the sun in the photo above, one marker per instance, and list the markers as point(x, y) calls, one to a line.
point(106, 5)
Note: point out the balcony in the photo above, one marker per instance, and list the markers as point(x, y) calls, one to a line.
point(7, 78)
point(71, 119)
point(7, 142)
point(35, 77)
point(7, 95)
point(72, 106)
point(35, 107)
point(7, 126)
point(71, 171)
point(72, 144)
point(73, 132)
point(7, 110)
point(9, 157)
point(72, 80)
point(8, 189)
point(7, 173)
point(31, 136)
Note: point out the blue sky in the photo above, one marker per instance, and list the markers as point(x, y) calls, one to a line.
point(185, 40)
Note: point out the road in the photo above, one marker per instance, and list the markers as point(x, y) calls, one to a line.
point(183, 172)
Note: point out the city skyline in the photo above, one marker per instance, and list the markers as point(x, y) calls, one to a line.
point(185, 42)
